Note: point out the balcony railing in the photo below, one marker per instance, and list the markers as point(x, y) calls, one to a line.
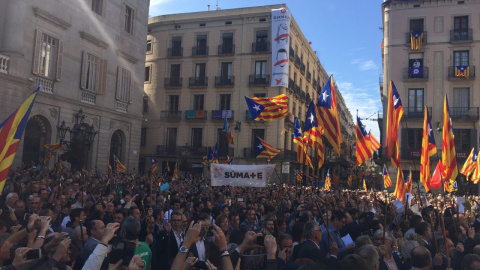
point(309, 76)
point(4, 63)
point(297, 62)
point(291, 54)
point(195, 115)
point(221, 81)
point(464, 113)
point(455, 72)
point(173, 82)
point(314, 84)
point(47, 84)
point(408, 38)
point(464, 35)
point(222, 114)
point(199, 50)
point(297, 90)
point(175, 52)
point(291, 85)
point(411, 73)
point(173, 116)
point(198, 82)
point(302, 68)
point(259, 79)
point(226, 50)
point(412, 112)
point(261, 47)
point(122, 106)
point(88, 97)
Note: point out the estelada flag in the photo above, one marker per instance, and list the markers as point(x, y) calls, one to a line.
point(400, 188)
point(449, 156)
point(328, 180)
point(311, 130)
point(167, 168)
point(350, 180)
point(228, 132)
point(409, 182)
point(394, 115)
point(175, 172)
point(428, 149)
point(119, 167)
point(436, 181)
point(55, 147)
point(365, 185)
point(302, 155)
point(470, 163)
point(11, 131)
point(462, 71)
point(265, 150)
point(416, 40)
point(374, 143)
point(268, 108)
point(327, 115)
point(362, 145)
point(154, 167)
point(387, 182)
point(228, 161)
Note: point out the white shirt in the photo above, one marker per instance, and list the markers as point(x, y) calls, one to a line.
point(201, 250)
point(178, 237)
point(64, 222)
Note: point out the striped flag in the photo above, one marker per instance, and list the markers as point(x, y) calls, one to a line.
point(11, 131)
point(154, 167)
point(119, 167)
point(462, 71)
point(409, 182)
point(476, 172)
point(215, 154)
point(428, 149)
point(394, 115)
point(175, 172)
point(265, 150)
point(335, 179)
point(350, 180)
point(167, 168)
point(374, 143)
point(268, 108)
point(387, 182)
point(311, 130)
point(416, 40)
point(302, 155)
point(327, 115)
point(228, 161)
point(48, 156)
point(328, 183)
point(365, 185)
point(449, 159)
point(400, 188)
point(362, 146)
point(228, 132)
point(436, 181)
point(470, 163)
point(59, 167)
point(320, 155)
point(55, 147)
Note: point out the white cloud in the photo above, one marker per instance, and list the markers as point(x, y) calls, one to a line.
point(158, 2)
point(363, 64)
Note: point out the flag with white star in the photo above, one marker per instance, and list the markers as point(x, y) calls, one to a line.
point(265, 150)
point(327, 115)
point(268, 108)
point(311, 130)
point(428, 149)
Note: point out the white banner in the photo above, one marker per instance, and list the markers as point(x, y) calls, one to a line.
point(280, 46)
point(241, 175)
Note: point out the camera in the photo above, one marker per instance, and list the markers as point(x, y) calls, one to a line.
point(34, 254)
point(260, 240)
point(122, 250)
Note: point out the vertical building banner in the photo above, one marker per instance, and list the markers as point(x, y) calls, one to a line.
point(280, 46)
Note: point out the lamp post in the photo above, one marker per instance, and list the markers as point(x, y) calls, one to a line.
point(81, 139)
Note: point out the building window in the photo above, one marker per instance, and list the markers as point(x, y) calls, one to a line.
point(48, 56)
point(461, 58)
point(260, 69)
point(222, 143)
point(149, 45)
point(294, 109)
point(173, 103)
point(461, 104)
point(259, 95)
point(414, 138)
point(463, 140)
point(261, 44)
point(226, 70)
point(124, 85)
point(200, 73)
point(145, 104)
point(201, 45)
point(147, 74)
point(198, 101)
point(128, 19)
point(90, 72)
point(227, 43)
point(460, 27)
point(176, 46)
point(97, 6)
point(171, 137)
point(415, 102)
point(197, 134)
point(143, 136)
point(225, 102)
point(416, 25)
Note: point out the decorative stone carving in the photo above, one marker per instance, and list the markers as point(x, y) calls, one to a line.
point(53, 112)
point(95, 122)
point(112, 124)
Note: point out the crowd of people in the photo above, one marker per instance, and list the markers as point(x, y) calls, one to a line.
point(90, 220)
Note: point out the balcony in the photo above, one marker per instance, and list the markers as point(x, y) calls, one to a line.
point(309, 76)
point(297, 62)
point(171, 116)
point(222, 114)
point(297, 91)
point(303, 95)
point(172, 82)
point(302, 68)
point(464, 113)
point(4, 63)
point(463, 35)
point(226, 49)
point(248, 117)
point(291, 54)
point(168, 150)
point(291, 86)
point(47, 84)
point(196, 115)
point(261, 47)
point(456, 73)
point(222, 81)
point(175, 52)
point(416, 113)
point(88, 97)
point(314, 84)
point(408, 38)
point(198, 82)
point(259, 80)
point(199, 51)
point(121, 106)
point(415, 74)
point(289, 120)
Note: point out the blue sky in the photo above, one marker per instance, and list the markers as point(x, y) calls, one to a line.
point(346, 35)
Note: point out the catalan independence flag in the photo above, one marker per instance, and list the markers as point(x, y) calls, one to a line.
point(365, 185)
point(400, 188)
point(476, 172)
point(428, 149)
point(449, 159)
point(119, 167)
point(362, 145)
point(265, 150)
point(416, 40)
point(462, 71)
point(328, 181)
point(175, 172)
point(154, 167)
point(350, 180)
point(228, 161)
point(311, 130)
point(11, 131)
point(55, 147)
point(215, 154)
point(228, 132)
point(394, 115)
point(374, 143)
point(302, 155)
point(387, 182)
point(409, 182)
point(327, 115)
point(470, 163)
point(268, 108)
point(48, 156)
